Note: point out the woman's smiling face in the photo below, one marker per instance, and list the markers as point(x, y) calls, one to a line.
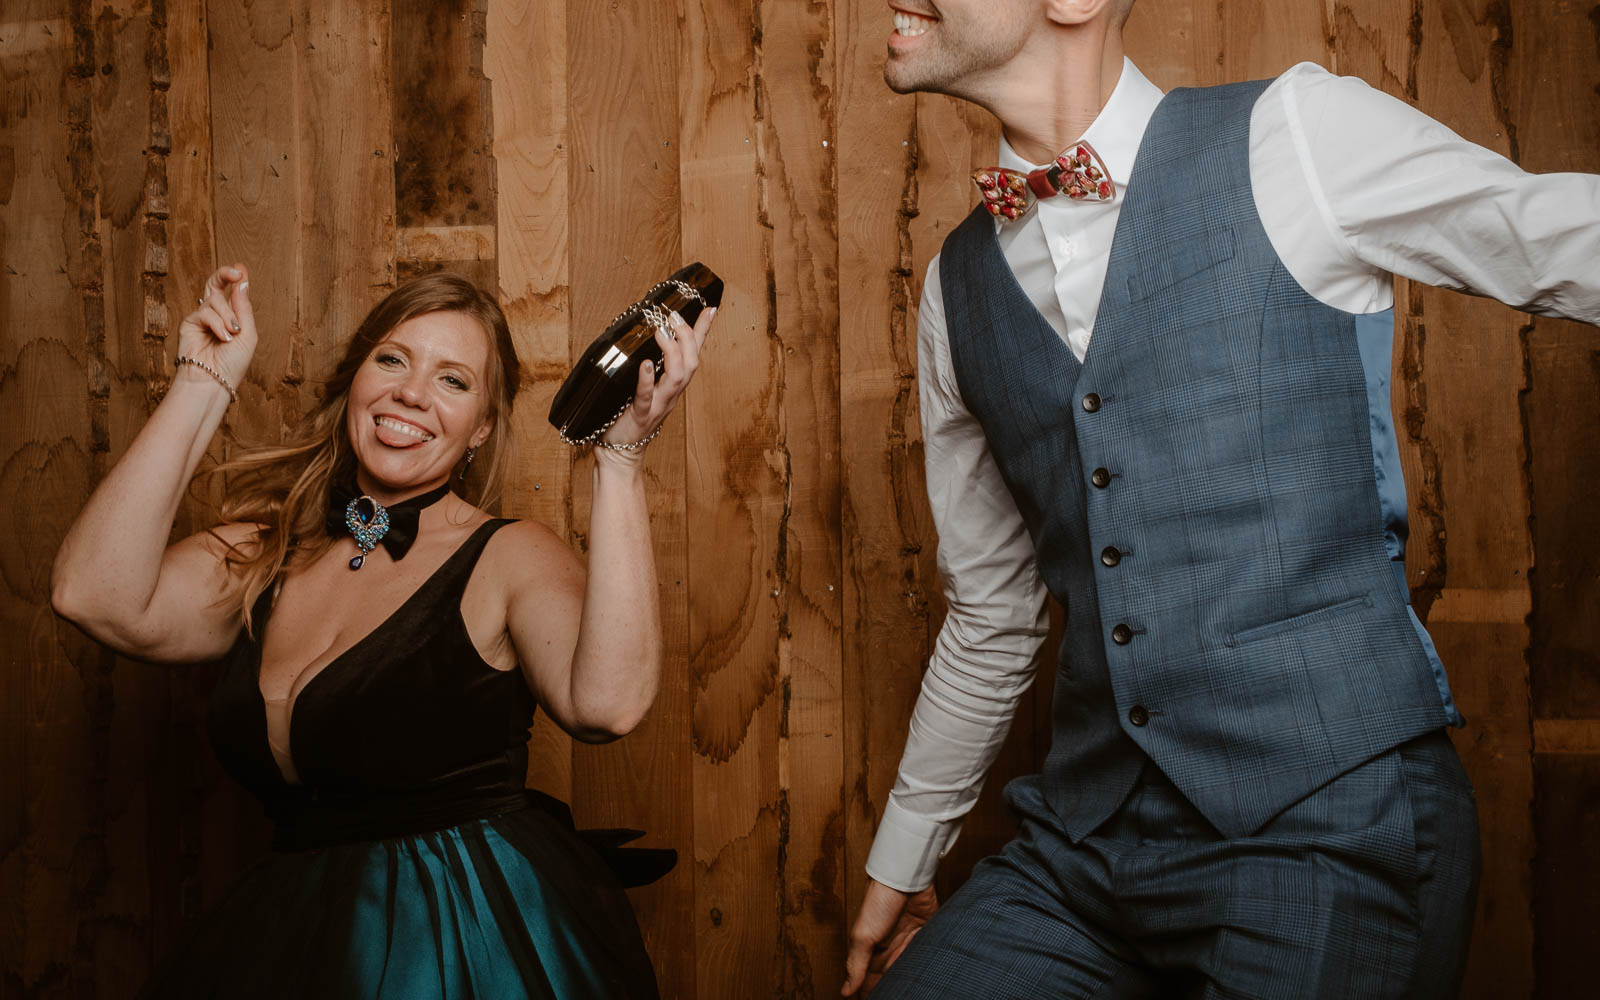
point(417, 403)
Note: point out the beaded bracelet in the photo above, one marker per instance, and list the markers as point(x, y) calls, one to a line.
point(233, 397)
point(630, 445)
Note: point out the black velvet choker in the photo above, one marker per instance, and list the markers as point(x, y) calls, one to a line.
point(370, 522)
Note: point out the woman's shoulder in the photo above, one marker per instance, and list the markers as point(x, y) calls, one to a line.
point(522, 535)
point(526, 549)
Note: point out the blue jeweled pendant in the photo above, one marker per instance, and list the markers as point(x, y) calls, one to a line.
point(368, 521)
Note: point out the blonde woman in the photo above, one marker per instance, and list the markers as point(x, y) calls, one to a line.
point(386, 642)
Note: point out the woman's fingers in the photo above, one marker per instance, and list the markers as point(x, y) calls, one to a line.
point(644, 394)
point(220, 301)
point(216, 296)
point(239, 300)
point(670, 339)
point(702, 326)
point(653, 397)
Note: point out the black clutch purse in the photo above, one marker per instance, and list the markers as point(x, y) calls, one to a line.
point(601, 384)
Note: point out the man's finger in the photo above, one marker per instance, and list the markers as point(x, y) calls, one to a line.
point(855, 966)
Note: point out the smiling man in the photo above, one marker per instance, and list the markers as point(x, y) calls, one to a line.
point(1154, 373)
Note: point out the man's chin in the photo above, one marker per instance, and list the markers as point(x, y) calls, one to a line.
point(895, 85)
point(900, 78)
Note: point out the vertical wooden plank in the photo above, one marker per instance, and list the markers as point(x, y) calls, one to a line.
point(884, 508)
point(798, 82)
point(53, 352)
point(525, 59)
point(46, 234)
point(1552, 79)
point(623, 99)
point(1469, 421)
point(1201, 43)
point(731, 161)
point(347, 219)
point(443, 128)
point(256, 158)
point(131, 142)
point(1177, 43)
point(1566, 906)
point(1262, 38)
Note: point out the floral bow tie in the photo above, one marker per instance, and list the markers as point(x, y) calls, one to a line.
point(1077, 173)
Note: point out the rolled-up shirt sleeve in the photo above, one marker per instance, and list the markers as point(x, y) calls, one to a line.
point(983, 660)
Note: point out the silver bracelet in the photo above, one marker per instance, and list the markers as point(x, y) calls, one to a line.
point(631, 445)
point(233, 397)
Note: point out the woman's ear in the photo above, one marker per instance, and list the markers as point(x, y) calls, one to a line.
point(481, 435)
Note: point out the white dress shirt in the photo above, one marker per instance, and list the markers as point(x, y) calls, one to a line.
point(1352, 186)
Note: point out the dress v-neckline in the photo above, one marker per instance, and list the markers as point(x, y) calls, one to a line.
point(294, 698)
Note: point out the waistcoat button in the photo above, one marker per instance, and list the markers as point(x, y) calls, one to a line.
point(1110, 556)
point(1091, 402)
point(1138, 715)
point(1122, 635)
point(1101, 478)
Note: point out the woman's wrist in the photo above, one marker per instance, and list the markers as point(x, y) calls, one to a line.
point(191, 381)
point(190, 365)
point(615, 464)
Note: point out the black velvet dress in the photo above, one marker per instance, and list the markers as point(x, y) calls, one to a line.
point(409, 863)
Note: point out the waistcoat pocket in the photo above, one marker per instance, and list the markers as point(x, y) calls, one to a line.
point(1316, 615)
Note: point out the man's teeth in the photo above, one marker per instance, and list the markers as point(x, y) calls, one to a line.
point(910, 25)
point(404, 428)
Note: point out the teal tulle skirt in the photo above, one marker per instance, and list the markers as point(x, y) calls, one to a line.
point(511, 906)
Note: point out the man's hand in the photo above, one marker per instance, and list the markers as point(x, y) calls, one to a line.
point(887, 922)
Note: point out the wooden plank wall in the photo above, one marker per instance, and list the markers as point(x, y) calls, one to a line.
point(570, 152)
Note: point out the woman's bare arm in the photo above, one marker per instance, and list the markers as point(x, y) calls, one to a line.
point(115, 576)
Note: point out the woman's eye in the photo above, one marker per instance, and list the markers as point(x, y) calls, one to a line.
point(387, 359)
point(455, 382)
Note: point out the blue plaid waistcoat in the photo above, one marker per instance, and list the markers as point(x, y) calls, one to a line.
point(1203, 495)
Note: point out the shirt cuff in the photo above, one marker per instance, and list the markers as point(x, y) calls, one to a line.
point(908, 848)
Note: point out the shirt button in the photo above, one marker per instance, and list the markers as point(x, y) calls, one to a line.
point(1110, 555)
point(1067, 248)
point(1122, 635)
point(1101, 478)
point(1138, 715)
point(1091, 402)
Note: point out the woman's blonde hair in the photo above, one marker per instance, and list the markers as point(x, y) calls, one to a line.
point(284, 488)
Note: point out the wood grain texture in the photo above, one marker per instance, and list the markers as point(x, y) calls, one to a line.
point(883, 514)
point(569, 154)
point(525, 59)
point(623, 185)
point(795, 73)
point(1566, 900)
point(45, 469)
point(737, 481)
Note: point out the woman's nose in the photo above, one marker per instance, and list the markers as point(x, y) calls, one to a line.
point(412, 391)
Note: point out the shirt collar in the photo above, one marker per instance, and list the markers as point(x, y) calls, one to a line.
point(1116, 132)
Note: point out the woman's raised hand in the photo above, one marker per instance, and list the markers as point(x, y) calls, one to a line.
point(653, 399)
point(221, 330)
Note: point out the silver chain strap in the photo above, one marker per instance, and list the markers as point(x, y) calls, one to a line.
point(656, 318)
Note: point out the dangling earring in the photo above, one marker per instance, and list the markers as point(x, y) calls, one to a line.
point(471, 454)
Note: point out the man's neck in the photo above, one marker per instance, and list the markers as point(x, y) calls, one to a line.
point(1053, 106)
